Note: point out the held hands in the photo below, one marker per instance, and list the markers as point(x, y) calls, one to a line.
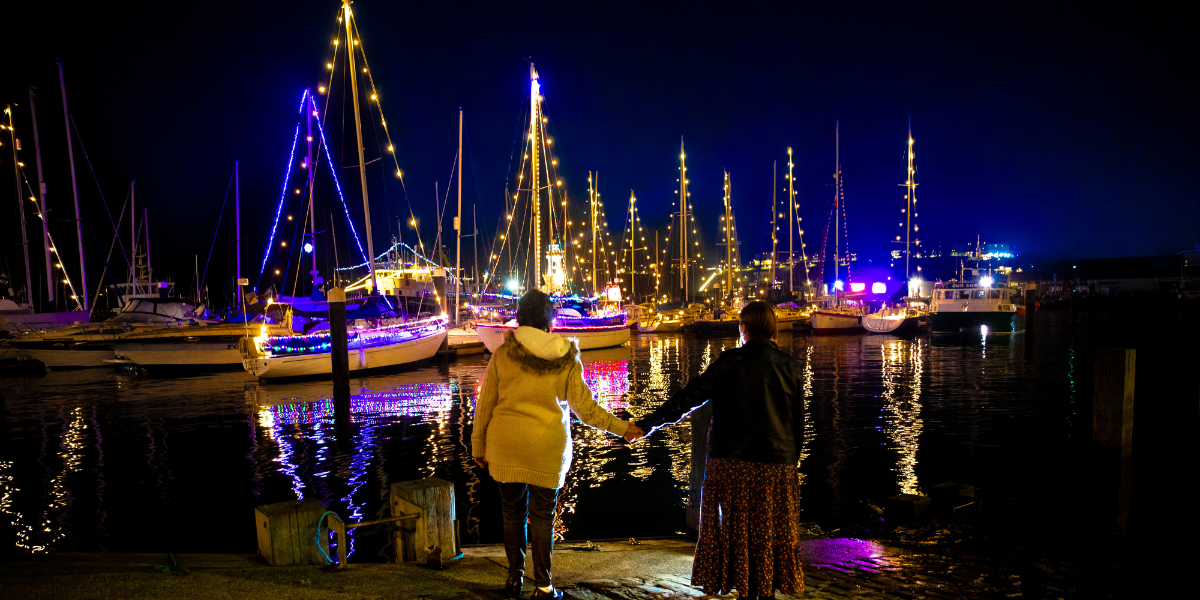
point(634, 433)
point(481, 461)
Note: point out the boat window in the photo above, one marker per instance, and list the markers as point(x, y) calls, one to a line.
point(981, 294)
point(994, 294)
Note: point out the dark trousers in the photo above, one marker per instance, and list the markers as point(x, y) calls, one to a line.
point(521, 503)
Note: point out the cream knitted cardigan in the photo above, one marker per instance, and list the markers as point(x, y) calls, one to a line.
point(522, 425)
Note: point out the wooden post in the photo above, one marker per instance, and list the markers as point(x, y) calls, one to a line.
point(1030, 306)
point(1112, 402)
point(433, 500)
point(287, 532)
point(337, 525)
point(439, 286)
point(339, 352)
point(700, 419)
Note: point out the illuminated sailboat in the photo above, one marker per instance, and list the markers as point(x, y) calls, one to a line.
point(911, 317)
point(577, 317)
point(732, 303)
point(840, 313)
point(383, 337)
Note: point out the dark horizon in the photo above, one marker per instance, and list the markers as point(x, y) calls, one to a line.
point(1063, 133)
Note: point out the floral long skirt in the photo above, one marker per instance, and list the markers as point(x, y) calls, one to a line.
point(749, 530)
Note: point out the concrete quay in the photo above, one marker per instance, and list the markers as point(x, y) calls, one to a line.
point(835, 567)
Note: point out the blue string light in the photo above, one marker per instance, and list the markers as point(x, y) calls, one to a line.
point(385, 253)
point(282, 193)
point(321, 521)
point(336, 184)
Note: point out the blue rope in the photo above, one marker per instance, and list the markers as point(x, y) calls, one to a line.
point(318, 536)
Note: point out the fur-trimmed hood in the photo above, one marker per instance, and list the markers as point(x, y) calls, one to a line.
point(540, 352)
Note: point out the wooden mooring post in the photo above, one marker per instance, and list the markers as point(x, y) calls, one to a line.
point(287, 532)
point(432, 536)
point(339, 351)
point(1112, 401)
point(700, 419)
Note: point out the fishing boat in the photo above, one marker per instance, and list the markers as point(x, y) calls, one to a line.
point(384, 341)
point(973, 303)
point(972, 307)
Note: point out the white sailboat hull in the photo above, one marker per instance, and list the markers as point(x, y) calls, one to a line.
point(661, 327)
point(829, 323)
point(378, 357)
point(590, 338)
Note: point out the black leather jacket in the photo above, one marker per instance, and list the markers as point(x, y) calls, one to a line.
point(757, 402)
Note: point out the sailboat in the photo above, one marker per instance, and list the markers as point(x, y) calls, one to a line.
point(384, 337)
point(841, 313)
point(577, 318)
point(911, 317)
point(727, 321)
point(18, 316)
point(672, 317)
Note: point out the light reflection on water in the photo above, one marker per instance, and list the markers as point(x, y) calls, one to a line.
point(885, 416)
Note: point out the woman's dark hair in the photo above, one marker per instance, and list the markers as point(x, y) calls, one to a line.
point(535, 309)
point(759, 319)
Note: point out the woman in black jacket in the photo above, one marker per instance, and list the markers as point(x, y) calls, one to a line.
point(749, 515)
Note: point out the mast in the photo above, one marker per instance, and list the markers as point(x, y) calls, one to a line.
point(133, 235)
point(149, 269)
point(12, 138)
point(74, 187)
point(475, 243)
point(837, 188)
point(728, 243)
point(774, 228)
point(910, 196)
point(312, 173)
point(458, 223)
point(237, 219)
point(632, 248)
point(592, 201)
point(791, 224)
point(534, 117)
point(43, 214)
point(362, 167)
point(657, 271)
point(683, 220)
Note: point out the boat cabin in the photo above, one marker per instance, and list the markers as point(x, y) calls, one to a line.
point(973, 298)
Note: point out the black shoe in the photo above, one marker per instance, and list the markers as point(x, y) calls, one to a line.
point(553, 594)
point(514, 585)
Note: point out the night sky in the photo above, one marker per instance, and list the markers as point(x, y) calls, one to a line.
point(1065, 131)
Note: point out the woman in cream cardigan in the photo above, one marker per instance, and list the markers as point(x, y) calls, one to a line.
point(522, 433)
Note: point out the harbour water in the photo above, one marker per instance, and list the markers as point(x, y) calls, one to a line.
point(94, 460)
